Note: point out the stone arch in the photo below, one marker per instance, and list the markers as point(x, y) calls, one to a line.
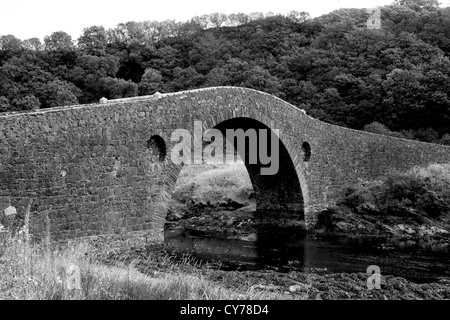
point(281, 195)
point(278, 193)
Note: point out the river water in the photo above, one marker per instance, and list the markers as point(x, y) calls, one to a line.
point(418, 262)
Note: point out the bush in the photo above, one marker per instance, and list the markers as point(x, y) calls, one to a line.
point(445, 139)
point(376, 127)
point(421, 190)
point(4, 104)
point(26, 103)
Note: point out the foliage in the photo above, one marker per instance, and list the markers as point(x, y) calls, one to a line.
point(151, 82)
point(379, 128)
point(420, 190)
point(4, 104)
point(59, 40)
point(332, 66)
point(26, 103)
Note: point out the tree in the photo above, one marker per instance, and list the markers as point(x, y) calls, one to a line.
point(58, 40)
point(256, 16)
point(139, 32)
point(206, 53)
point(403, 100)
point(379, 128)
point(185, 79)
point(445, 139)
point(151, 82)
point(201, 21)
point(216, 77)
point(418, 5)
point(20, 77)
point(88, 71)
point(260, 79)
point(217, 19)
point(112, 88)
point(26, 103)
point(60, 93)
point(33, 44)
point(93, 40)
point(237, 19)
point(10, 43)
point(166, 60)
point(298, 17)
point(4, 104)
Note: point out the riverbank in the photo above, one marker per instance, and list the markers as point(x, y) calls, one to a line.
point(410, 206)
point(32, 271)
point(413, 205)
point(292, 285)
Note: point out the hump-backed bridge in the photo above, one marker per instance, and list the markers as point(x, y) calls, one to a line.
point(105, 169)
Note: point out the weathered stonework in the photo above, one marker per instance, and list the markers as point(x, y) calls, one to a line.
point(90, 169)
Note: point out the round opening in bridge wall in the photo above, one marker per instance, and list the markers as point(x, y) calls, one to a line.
point(306, 148)
point(157, 148)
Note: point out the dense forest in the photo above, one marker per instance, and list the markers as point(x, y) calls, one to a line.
point(394, 80)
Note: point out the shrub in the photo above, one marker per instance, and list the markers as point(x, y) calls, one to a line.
point(4, 104)
point(445, 139)
point(376, 127)
point(422, 190)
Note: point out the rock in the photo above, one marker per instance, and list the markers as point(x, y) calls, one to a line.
point(299, 287)
point(267, 288)
point(10, 211)
point(367, 207)
point(249, 237)
point(344, 226)
point(248, 208)
point(431, 231)
point(435, 230)
point(230, 221)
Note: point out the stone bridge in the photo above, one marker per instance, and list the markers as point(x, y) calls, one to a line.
point(105, 169)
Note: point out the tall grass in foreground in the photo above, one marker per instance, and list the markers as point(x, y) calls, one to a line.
point(33, 271)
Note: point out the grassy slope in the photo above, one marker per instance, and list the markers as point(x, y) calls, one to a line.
point(214, 183)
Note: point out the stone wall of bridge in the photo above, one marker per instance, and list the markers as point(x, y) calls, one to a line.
point(93, 170)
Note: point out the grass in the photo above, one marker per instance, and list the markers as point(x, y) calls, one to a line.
point(31, 271)
point(214, 183)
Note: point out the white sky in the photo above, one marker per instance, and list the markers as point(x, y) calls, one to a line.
point(37, 18)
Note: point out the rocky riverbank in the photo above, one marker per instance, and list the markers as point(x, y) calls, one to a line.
point(365, 223)
point(241, 221)
point(411, 206)
point(292, 285)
